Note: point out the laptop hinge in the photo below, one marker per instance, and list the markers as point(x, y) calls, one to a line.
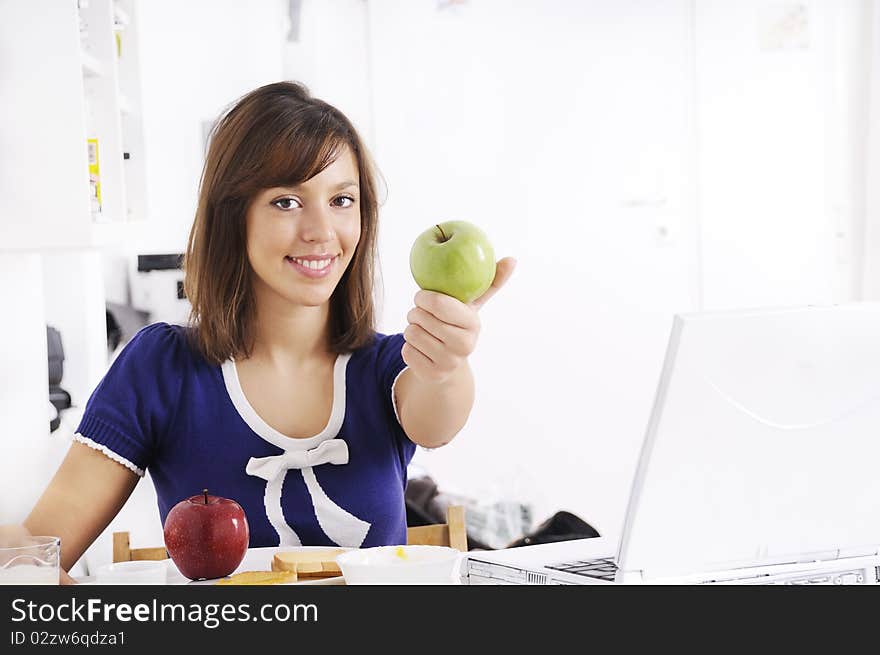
point(862, 551)
point(780, 564)
point(751, 565)
point(630, 577)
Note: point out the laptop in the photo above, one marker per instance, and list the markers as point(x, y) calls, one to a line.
point(758, 465)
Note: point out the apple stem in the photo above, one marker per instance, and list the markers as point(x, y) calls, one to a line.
point(442, 233)
point(205, 491)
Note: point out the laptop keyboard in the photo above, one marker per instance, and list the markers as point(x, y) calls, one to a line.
point(604, 569)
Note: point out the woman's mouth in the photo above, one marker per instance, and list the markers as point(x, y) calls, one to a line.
point(312, 267)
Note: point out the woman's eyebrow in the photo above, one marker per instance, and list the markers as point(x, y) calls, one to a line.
point(338, 187)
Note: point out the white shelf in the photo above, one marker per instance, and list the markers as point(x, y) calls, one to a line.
point(91, 66)
point(114, 113)
point(120, 15)
point(108, 232)
point(125, 105)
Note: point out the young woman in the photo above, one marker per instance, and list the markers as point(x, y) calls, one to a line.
point(280, 394)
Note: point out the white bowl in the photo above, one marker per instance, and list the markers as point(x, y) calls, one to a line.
point(398, 565)
point(134, 572)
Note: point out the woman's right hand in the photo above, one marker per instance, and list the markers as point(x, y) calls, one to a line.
point(84, 495)
point(12, 536)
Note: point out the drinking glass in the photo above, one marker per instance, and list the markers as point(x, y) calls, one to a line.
point(31, 560)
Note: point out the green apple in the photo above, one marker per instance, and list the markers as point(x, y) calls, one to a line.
point(454, 258)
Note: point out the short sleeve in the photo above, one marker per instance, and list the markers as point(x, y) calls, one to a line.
point(390, 364)
point(133, 405)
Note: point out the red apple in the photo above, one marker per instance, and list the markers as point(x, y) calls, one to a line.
point(206, 536)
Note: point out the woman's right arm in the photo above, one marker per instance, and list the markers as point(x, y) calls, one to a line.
point(86, 492)
point(127, 413)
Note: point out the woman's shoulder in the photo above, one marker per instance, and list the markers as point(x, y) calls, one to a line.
point(159, 342)
point(160, 334)
point(379, 344)
point(380, 358)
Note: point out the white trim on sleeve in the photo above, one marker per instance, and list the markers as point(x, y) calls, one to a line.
point(397, 416)
point(114, 456)
point(393, 399)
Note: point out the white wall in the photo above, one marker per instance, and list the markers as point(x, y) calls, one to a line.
point(328, 53)
point(780, 92)
point(870, 282)
point(44, 216)
point(196, 58)
point(639, 159)
point(73, 296)
point(44, 199)
point(562, 129)
point(23, 387)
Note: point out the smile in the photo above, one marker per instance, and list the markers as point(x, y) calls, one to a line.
point(312, 267)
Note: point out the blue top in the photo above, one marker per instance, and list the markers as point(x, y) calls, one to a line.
point(162, 407)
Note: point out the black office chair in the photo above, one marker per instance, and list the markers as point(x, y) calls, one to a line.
point(59, 397)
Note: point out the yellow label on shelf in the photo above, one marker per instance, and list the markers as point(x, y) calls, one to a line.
point(94, 175)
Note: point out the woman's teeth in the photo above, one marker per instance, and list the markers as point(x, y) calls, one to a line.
point(314, 264)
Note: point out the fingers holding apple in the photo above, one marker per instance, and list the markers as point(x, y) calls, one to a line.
point(503, 270)
point(435, 370)
point(440, 335)
point(456, 330)
point(454, 264)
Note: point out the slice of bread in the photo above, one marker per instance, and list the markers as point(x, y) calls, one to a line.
point(309, 563)
point(259, 578)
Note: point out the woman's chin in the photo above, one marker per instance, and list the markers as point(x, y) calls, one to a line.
point(296, 295)
point(309, 299)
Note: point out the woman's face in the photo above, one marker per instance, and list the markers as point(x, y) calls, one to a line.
point(301, 239)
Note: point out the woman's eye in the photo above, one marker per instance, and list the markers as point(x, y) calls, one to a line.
point(344, 201)
point(286, 203)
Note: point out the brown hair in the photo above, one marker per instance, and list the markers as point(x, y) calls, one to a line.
point(276, 135)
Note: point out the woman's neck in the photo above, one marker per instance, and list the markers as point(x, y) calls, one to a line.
point(290, 334)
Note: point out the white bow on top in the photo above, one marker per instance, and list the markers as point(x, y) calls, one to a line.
point(332, 451)
point(343, 528)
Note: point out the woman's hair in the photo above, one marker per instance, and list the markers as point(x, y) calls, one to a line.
point(276, 135)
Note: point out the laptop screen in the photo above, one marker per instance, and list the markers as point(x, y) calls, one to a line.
point(763, 444)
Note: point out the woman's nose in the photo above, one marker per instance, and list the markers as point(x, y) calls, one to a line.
point(317, 226)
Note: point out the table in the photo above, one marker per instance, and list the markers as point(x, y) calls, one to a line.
point(255, 559)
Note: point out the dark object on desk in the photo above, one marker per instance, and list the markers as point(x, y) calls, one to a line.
point(59, 398)
point(423, 507)
point(168, 262)
point(562, 526)
point(123, 322)
point(114, 332)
